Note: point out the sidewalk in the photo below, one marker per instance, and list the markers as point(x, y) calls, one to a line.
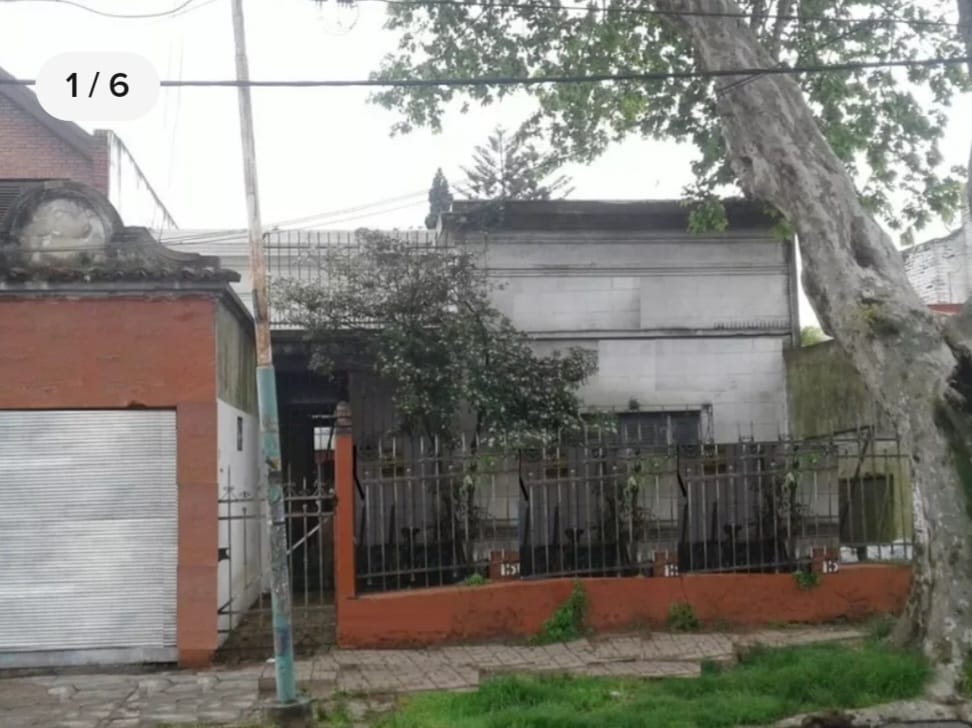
point(234, 695)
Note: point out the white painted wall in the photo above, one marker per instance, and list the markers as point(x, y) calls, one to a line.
point(240, 575)
point(741, 377)
point(941, 270)
point(678, 321)
point(634, 281)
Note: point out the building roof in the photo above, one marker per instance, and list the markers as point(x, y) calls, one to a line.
point(597, 214)
point(67, 131)
point(951, 309)
point(947, 239)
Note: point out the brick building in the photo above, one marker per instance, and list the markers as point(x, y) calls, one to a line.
point(128, 405)
point(36, 146)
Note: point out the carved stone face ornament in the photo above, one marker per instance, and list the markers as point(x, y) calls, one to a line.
point(62, 228)
point(65, 230)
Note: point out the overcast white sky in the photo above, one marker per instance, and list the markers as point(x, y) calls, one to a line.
point(318, 150)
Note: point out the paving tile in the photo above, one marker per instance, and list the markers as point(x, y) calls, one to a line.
point(230, 695)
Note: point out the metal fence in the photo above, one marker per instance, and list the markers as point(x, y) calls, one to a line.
point(427, 514)
point(300, 255)
point(244, 611)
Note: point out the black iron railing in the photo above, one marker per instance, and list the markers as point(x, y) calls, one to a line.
point(429, 514)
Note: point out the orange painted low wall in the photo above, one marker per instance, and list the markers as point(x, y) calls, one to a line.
point(518, 608)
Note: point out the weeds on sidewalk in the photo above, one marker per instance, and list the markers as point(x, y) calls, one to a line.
point(767, 685)
point(567, 621)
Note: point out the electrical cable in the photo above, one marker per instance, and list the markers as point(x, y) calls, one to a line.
point(118, 16)
point(510, 5)
point(632, 76)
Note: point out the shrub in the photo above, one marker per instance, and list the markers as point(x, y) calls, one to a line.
point(681, 617)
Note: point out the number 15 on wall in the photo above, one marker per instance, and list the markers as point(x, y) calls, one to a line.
point(97, 86)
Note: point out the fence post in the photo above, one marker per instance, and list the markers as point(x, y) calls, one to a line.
point(344, 581)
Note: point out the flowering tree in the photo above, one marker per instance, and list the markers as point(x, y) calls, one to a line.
point(422, 318)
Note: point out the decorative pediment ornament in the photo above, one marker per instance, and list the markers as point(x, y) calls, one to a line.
point(61, 230)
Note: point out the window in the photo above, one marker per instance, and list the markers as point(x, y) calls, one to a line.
point(660, 428)
point(323, 438)
point(239, 434)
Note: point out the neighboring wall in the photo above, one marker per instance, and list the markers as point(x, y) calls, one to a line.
point(36, 146)
point(941, 270)
point(826, 394)
point(241, 509)
point(31, 150)
point(827, 400)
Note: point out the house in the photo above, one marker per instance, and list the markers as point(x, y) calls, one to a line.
point(688, 328)
point(36, 146)
point(128, 409)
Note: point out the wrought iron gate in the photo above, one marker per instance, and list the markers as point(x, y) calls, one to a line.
point(244, 614)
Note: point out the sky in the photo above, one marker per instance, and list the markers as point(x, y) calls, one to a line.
point(318, 150)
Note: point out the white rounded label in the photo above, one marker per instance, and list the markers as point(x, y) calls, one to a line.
point(97, 86)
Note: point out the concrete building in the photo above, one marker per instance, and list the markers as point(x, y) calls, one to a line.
point(688, 328)
point(694, 324)
point(38, 147)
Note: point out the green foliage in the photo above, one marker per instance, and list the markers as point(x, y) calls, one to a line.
point(681, 617)
point(885, 125)
point(475, 580)
point(810, 335)
point(567, 621)
point(806, 580)
point(421, 318)
point(767, 686)
point(510, 167)
point(965, 678)
point(880, 628)
point(440, 199)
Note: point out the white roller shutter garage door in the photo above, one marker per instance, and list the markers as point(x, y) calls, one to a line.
point(88, 537)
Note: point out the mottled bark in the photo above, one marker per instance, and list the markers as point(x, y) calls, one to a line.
point(917, 368)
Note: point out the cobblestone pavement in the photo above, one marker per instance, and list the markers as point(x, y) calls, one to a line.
point(234, 695)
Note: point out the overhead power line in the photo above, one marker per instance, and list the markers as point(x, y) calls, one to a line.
point(331, 217)
point(122, 16)
point(651, 12)
point(638, 76)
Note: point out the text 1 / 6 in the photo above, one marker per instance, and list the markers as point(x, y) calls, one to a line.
point(117, 84)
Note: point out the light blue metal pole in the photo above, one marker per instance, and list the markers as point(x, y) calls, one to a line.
point(271, 477)
point(283, 644)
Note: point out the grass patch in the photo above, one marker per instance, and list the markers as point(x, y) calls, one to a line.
point(681, 617)
point(474, 580)
point(879, 629)
point(567, 621)
point(766, 686)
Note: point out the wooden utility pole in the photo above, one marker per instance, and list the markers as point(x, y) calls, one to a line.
point(271, 476)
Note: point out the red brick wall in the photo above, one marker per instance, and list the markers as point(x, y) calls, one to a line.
point(29, 150)
point(121, 352)
point(518, 608)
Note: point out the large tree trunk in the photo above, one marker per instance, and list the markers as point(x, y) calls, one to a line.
point(918, 368)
